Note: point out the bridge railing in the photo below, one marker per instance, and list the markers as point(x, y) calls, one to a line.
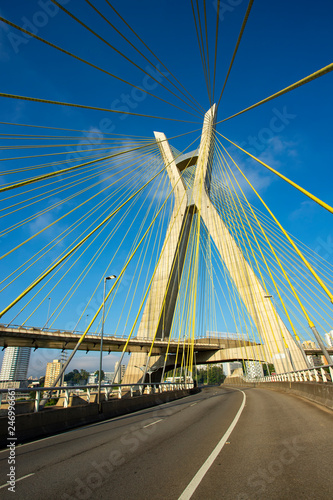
point(117, 390)
point(322, 373)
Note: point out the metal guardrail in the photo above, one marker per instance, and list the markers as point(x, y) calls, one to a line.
point(322, 373)
point(109, 389)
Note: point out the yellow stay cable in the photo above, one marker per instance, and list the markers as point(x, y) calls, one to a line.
point(112, 233)
point(116, 281)
point(162, 310)
point(44, 195)
point(145, 295)
point(145, 45)
point(299, 253)
point(302, 190)
point(311, 325)
point(201, 48)
point(44, 146)
point(254, 308)
point(116, 50)
point(211, 272)
point(270, 228)
point(271, 248)
point(216, 39)
point(44, 165)
point(93, 259)
point(126, 136)
point(313, 304)
point(247, 13)
point(73, 151)
point(69, 169)
point(29, 219)
point(262, 278)
point(207, 50)
point(307, 79)
point(36, 282)
point(141, 53)
point(141, 89)
point(293, 265)
point(84, 106)
point(55, 240)
point(143, 251)
point(85, 170)
point(235, 292)
point(248, 309)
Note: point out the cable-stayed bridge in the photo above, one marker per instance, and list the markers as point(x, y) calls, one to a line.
point(217, 221)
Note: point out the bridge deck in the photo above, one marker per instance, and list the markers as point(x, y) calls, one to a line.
point(37, 338)
point(209, 350)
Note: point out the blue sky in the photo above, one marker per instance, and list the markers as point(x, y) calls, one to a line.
point(283, 42)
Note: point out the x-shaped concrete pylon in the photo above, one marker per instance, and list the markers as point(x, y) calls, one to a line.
point(158, 313)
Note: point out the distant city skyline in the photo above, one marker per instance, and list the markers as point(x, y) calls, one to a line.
point(15, 364)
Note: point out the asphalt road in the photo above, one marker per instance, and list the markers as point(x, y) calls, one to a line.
point(280, 448)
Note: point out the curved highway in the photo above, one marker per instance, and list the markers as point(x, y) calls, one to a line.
point(222, 443)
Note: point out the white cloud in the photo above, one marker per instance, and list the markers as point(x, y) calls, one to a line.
point(306, 211)
point(275, 153)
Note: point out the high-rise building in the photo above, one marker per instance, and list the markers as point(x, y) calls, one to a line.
point(120, 374)
point(314, 359)
point(329, 341)
point(253, 369)
point(230, 367)
point(52, 372)
point(108, 376)
point(15, 365)
point(329, 338)
point(92, 379)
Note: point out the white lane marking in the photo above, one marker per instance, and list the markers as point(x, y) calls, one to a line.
point(188, 492)
point(76, 429)
point(193, 404)
point(17, 480)
point(153, 423)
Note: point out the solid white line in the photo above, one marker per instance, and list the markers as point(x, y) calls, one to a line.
point(153, 423)
point(193, 404)
point(17, 480)
point(76, 429)
point(188, 492)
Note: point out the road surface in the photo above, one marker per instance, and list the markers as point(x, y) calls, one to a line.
point(280, 448)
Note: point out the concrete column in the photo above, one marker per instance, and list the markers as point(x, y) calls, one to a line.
point(159, 309)
point(270, 327)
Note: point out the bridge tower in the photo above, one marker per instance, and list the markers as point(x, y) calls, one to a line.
point(279, 346)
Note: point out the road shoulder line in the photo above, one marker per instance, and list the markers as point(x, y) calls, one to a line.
point(192, 486)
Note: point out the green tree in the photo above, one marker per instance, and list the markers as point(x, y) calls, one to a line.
point(70, 377)
point(77, 377)
point(97, 374)
point(270, 367)
point(216, 375)
point(202, 376)
point(211, 374)
point(84, 375)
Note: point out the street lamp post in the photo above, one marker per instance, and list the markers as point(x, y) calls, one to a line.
point(149, 371)
point(102, 332)
point(282, 336)
point(298, 343)
point(48, 313)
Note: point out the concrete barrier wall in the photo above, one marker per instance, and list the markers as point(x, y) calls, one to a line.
point(20, 407)
point(321, 393)
point(53, 420)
